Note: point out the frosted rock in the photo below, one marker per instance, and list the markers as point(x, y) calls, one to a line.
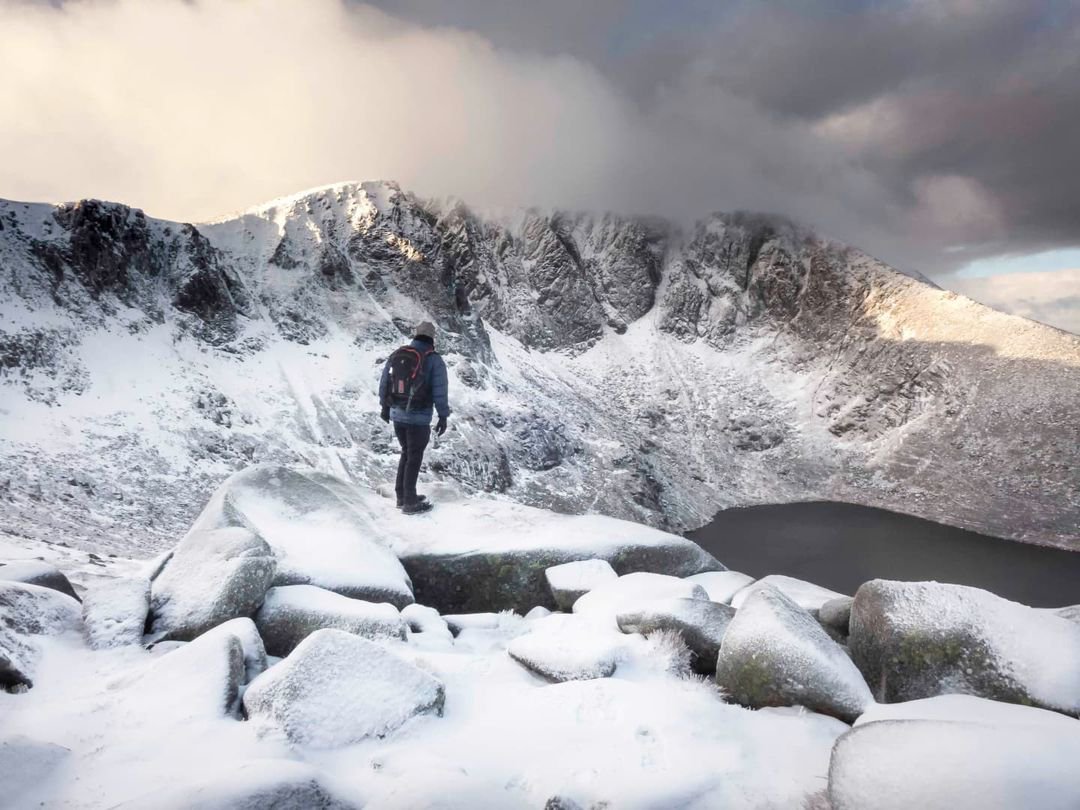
point(919, 639)
point(562, 649)
point(721, 585)
point(38, 572)
point(945, 765)
point(114, 612)
point(251, 643)
point(701, 624)
point(806, 595)
point(426, 627)
point(336, 688)
point(215, 574)
point(835, 615)
point(201, 679)
point(318, 527)
point(570, 581)
point(776, 654)
point(278, 784)
point(293, 612)
point(632, 591)
point(17, 660)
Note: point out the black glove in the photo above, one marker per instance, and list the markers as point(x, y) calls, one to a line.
point(384, 414)
point(440, 426)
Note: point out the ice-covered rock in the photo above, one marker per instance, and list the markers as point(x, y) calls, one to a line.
point(835, 615)
point(570, 581)
point(202, 679)
point(214, 575)
point(115, 611)
point(497, 554)
point(291, 613)
point(319, 529)
point(251, 643)
point(336, 688)
point(919, 639)
point(721, 585)
point(776, 654)
point(265, 784)
point(37, 572)
point(564, 648)
point(945, 765)
point(632, 591)
point(701, 623)
point(806, 595)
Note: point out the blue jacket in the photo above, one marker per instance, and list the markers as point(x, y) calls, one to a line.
point(435, 372)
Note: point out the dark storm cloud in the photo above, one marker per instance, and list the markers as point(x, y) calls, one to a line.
point(966, 111)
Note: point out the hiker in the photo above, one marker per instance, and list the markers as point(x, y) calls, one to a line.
point(413, 384)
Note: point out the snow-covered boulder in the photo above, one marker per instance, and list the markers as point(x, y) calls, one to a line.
point(37, 572)
point(776, 654)
point(427, 629)
point(492, 556)
point(202, 679)
point(701, 623)
point(565, 648)
point(969, 709)
point(251, 644)
point(835, 615)
point(114, 612)
point(17, 659)
point(632, 591)
point(214, 575)
point(336, 688)
point(279, 784)
point(945, 765)
point(570, 581)
point(291, 613)
point(721, 585)
point(918, 639)
point(32, 610)
point(320, 529)
point(806, 595)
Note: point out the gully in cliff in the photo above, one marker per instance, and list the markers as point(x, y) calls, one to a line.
point(413, 385)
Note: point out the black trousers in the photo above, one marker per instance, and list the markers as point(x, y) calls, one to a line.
point(413, 439)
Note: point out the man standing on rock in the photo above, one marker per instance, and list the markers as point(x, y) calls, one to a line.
point(414, 384)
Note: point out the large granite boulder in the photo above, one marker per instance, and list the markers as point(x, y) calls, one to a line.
point(570, 581)
point(701, 623)
point(835, 615)
point(776, 654)
point(500, 562)
point(251, 644)
point(291, 613)
point(918, 639)
point(565, 648)
point(115, 611)
point(633, 591)
point(949, 764)
point(319, 528)
point(336, 688)
point(214, 575)
point(37, 572)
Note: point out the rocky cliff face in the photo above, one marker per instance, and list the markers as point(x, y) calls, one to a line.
point(597, 363)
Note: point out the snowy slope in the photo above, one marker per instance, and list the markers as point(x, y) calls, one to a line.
point(597, 364)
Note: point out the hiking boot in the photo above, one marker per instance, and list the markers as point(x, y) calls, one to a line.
point(419, 499)
point(417, 507)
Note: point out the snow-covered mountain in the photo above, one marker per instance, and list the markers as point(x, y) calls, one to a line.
point(598, 363)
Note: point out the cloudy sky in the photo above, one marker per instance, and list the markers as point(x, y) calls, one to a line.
point(940, 135)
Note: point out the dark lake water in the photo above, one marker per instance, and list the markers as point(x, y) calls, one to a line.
point(840, 546)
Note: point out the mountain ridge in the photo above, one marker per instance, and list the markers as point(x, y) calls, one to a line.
point(604, 363)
